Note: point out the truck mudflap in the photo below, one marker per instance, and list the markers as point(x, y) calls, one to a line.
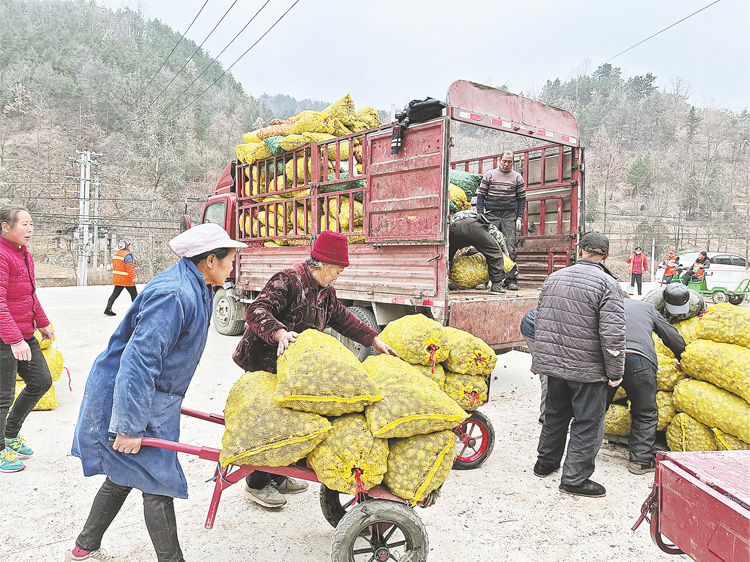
point(496, 320)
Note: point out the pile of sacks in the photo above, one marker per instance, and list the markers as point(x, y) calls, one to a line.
point(283, 136)
point(55, 363)
point(704, 401)
point(359, 424)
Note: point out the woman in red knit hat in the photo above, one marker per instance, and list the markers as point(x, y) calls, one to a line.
point(296, 299)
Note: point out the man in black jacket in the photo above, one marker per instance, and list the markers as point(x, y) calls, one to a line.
point(469, 229)
point(580, 345)
point(639, 381)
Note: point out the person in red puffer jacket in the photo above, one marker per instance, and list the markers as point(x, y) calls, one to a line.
point(638, 266)
point(20, 314)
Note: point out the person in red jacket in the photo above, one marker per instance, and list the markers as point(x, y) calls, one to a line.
point(638, 266)
point(20, 314)
point(123, 275)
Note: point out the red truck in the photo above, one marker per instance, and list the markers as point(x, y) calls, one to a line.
point(399, 242)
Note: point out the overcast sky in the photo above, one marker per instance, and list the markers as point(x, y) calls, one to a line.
point(387, 52)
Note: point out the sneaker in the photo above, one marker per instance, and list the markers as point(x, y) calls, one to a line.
point(481, 287)
point(267, 496)
point(588, 489)
point(290, 486)
point(109, 313)
point(498, 289)
point(511, 286)
point(9, 462)
point(642, 467)
point(541, 471)
point(19, 445)
point(98, 554)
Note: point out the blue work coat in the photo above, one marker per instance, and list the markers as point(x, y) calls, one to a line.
point(137, 384)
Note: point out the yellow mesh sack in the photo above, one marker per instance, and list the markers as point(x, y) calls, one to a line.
point(727, 442)
point(54, 361)
point(318, 137)
point(46, 402)
point(713, 407)
point(620, 394)
point(420, 464)
point(350, 459)
point(667, 372)
point(617, 420)
point(686, 328)
point(417, 339)
point(260, 432)
point(251, 137)
point(357, 126)
point(280, 130)
point(305, 172)
point(318, 374)
point(508, 263)
point(468, 354)
point(344, 212)
point(43, 344)
point(339, 129)
point(665, 408)
point(274, 243)
point(458, 197)
point(369, 117)
point(352, 239)
point(301, 114)
point(435, 374)
point(469, 391)
point(342, 109)
point(293, 142)
point(312, 122)
point(688, 434)
point(725, 323)
point(254, 152)
point(412, 404)
point(469, 271)
point(724, 364)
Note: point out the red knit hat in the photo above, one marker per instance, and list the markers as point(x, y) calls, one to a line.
point(331, 247)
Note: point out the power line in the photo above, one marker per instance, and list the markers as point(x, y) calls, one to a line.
point(662, 31)
point(191, 56)
point(235, 62)
point(215, 59)
point(169, 55)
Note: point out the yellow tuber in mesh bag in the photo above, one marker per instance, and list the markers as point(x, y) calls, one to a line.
point(435, 374)
point(468, 354)
point(713, 407)
point(725, 323)
point(665, 408)
point(260, 432)
point(418, 465)
point(43, 344)
point(686, 328)
point(724, 364)
point(292, 142)
point(343, 109)
point(469, 391)
point(417, 339)
point(727, 442)
point(458, 196)
point(688, 434)
point(312, 122)
point(617, 420)
point(412, 404)
point(469, 271)
point(54, 361)
point(350, 459)
point(318, 374)
point(667, 372)
point(369, 117)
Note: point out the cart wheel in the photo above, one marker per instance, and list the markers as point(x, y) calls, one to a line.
point(380, 531)
point(476, 439)
point(719, 297)
point(334, 504)
point(737, 299)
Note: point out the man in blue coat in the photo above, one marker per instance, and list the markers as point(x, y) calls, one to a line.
point(135, 389)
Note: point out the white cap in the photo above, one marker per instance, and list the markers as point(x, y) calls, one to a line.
point(202, 238)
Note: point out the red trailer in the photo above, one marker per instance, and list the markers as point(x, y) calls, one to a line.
point(398, 256)
point(701, 503)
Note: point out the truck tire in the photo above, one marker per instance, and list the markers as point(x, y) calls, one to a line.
point(229, 314)
point(366, 316)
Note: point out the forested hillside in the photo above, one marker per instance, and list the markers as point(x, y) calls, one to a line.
point(76, 76)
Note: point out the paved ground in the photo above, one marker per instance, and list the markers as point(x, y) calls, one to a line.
point(500, 511)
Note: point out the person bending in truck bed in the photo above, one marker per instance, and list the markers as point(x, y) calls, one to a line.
point(296, 299)
point(470, 229)
point(501, 197)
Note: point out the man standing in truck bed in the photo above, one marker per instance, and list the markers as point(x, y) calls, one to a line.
point(501, 197)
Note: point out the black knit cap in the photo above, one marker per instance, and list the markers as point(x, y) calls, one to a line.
point(594, 243)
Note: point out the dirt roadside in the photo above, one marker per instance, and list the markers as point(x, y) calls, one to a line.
point(499, 512)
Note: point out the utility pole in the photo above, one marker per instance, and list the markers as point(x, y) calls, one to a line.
point(83, 242)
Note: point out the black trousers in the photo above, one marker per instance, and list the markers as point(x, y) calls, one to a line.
point(158, 511)
point(258, 480)
point(587, 403)
point(636, 279)
point(505, 221)
point(639, 382)
point(116, 293)
point(35, 374)
point(469, 232)
point(689, 275)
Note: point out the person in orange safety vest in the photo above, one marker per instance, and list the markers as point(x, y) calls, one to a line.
point(701, 264)
point(123, 275)
point(670, 264)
